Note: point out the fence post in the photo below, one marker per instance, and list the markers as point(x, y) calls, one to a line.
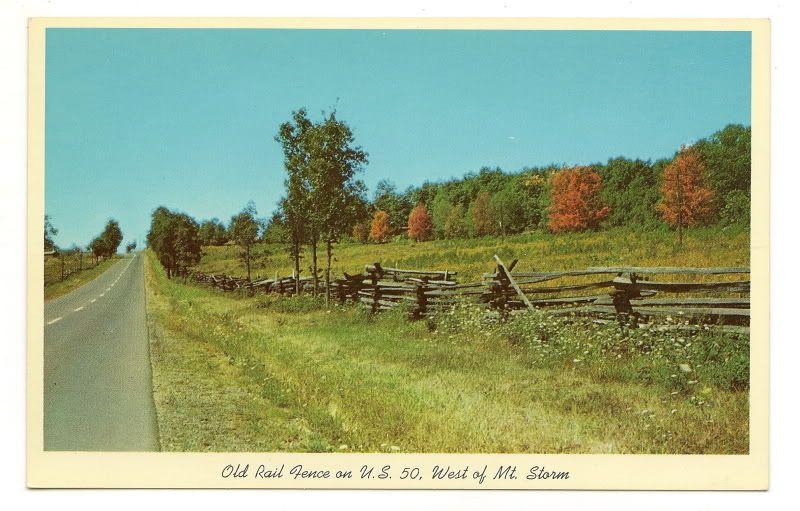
point(357, 285)
point(376, 293)
point(422, 299)
point(341, 289)
point(61, 255)
point(504, 287)
point(621, 299)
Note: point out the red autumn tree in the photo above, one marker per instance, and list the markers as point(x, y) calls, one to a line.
point(686, 201)
point(576, 204)
point(379, 230)
point(420, 223)
point(482, 214)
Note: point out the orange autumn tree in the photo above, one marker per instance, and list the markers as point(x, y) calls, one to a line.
point(576, 204)
point(687, 201)
point(420, 224)
point(379, 230)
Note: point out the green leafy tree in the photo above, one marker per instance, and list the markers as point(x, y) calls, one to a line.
point(275, 231)
point(630, 189)
point(322, 162)
point(440, 211)
point(98, 249)
point(175, 239)
point(111, 237)
point(455, 226)
point(244, 230)
point(534, 187)
point(213, 233)
point(507, 209)
point(49, 233)
point(726, 156)
point(396, 205)
point(736, 208)
point(188, 247)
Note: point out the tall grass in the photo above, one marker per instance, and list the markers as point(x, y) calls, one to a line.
point(76, 274)
point(263, 373)
point(708, 246)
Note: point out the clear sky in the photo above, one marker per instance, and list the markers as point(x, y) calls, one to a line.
point(139, 118)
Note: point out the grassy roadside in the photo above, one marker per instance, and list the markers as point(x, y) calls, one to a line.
point(77, 279)
point(236, 373)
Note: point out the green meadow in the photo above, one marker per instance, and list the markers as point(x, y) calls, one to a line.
point(707, 246)
point(265, 373)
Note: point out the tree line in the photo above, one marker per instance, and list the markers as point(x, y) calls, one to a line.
point(177, 238)
point(325, 202)
point(706, 183)
point(104, 244)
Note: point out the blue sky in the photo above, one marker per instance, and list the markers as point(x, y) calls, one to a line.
point(138, 118)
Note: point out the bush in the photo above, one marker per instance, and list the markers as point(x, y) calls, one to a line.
point(736, 209)
point(677, 359)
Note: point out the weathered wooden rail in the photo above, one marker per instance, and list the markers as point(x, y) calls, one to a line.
point(622, 293)
point(629, 293)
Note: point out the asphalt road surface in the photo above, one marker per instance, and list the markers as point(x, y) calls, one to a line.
point(98, 392)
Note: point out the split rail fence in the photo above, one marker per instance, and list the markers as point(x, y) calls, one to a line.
point(630, 295)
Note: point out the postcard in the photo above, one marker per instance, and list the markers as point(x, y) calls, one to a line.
point(398, 253)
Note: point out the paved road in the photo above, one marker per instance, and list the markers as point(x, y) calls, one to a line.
point(97, 381)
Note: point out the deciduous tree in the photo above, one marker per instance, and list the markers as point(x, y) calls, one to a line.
point(686, 199)
point(482, 214)
point(322, 163)
point(576, 203)
point(455, 226)
point(361, 232)
point(244, 231)
point(396, 205)
point(440, 210)
point(174, 237)
point(213, 233)
point(379, 230)
point(420, 224)
point(49, 233)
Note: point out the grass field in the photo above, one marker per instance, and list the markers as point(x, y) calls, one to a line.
point(536, 251)
point(237, 373)
point(54, 287)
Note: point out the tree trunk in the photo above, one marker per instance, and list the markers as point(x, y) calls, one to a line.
point(314, 263)
point(329, 248)
point(247, 260)
point(296, 249)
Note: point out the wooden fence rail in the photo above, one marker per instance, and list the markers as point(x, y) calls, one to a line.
point(618, 292)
